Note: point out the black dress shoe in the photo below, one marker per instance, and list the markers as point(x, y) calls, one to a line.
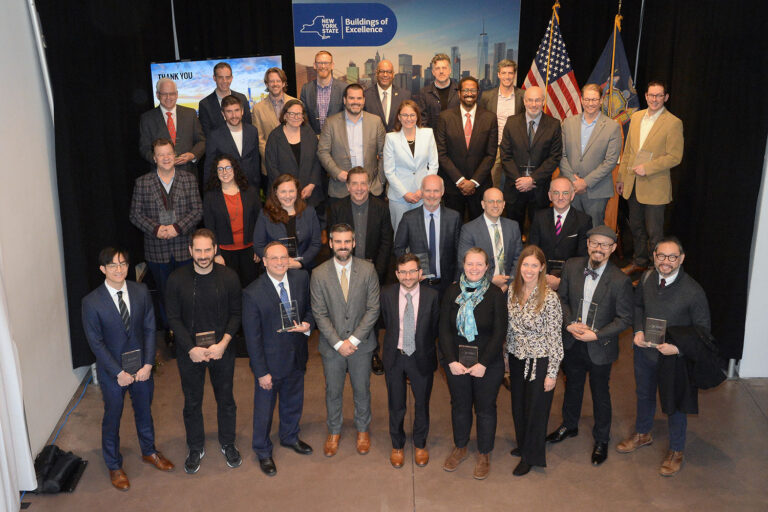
point(299, 447)
point(521, 469)
point(562, 433)
point(515, 452)
point(599, 453)
point(376, 365)
point(268, 466)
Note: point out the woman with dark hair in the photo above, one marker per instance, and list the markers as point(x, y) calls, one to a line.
point(292, 149)
point(535, 346)
point(410, 154)
point(473, 322)
point(286, 218)
point(230, 210)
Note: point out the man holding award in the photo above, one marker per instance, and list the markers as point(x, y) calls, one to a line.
point(665, 297)
point(597, 306)
point(204, 301)
point(277, 321)
point(119, 324)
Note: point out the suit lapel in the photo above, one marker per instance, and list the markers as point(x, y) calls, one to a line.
point(602, 286)
point(345, 138)
point(106, 297)
point(656, 128)
point(595, 132)
point(393, 104)
point(403, 142)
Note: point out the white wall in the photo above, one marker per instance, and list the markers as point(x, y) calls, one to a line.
point(754, 360)
point(30, 231)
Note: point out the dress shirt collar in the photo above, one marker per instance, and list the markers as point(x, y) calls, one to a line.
point(490, 223)
point(536, 120)
point(324, 87)
point(339, 266)
point(276, 283)
point(655, 116)
point(350, 121)
point(671, 279)
point(165, 112)
point(562, 215)
point(594, 121)
point(436, 213)
point(471, 112)
point(381, 90)
point(599, 270)
point(414, 293)
point(113, 291)
point(511, 94)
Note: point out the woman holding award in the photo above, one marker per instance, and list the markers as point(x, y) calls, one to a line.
point(472, 328)
point(535, 346)
point(287, 219)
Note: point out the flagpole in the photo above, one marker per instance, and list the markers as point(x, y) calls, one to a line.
point(616, 25)
point(639, 36)
point(549, 50)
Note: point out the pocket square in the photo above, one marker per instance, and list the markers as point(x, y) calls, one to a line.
point(573, 235)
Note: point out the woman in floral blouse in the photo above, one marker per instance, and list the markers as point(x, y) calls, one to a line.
point(535, 346)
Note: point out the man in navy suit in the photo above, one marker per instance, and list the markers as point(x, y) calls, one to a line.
point(210, 107)
point(118, 318)
point(235, 138)
point(278, 356)
point(383, 98)
point(410, 311)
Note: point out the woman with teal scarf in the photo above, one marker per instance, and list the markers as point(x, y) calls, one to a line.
point(473, 324)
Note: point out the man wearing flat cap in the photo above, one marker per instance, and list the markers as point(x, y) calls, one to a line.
point(597, 305)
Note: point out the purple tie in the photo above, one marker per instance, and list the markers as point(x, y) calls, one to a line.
point(558, 226)
point(663, 283)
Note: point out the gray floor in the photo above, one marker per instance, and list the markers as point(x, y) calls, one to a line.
point(725, 465)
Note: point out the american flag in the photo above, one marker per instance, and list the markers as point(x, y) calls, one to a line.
point(562, 91)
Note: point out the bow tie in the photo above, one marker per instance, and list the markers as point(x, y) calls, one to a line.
point(589, 272)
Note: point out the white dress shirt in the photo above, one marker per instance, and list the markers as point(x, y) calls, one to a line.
point(348, 268)
point(488, 222)
point(113, 294)
point(646, 124)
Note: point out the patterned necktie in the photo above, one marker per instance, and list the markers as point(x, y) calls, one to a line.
point(558, 226)
point(497, 242)
point(284, 298)
point(663, 283)
point(124, 311)
point(589, 272)
point(171, 127)
point(344, 283)
point(530, 133)
point(468, 128)
point(385, 106)
point(432, 248)
point(409, 326)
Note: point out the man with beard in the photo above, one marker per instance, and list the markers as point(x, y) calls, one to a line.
point(441, 94)
point(204, 309)
point(345, 305)
point(235, 138)
point(266, 113)
point(322, 96)
point(597, 306)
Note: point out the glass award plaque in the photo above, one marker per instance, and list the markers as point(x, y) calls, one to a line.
point(289, 315)
point(468, 355)
point(293, 248)
point(131, 361)
point(555, 267)
point(655, 330)
point(587, 313)
point(167, 217)
point(424, 260)
point(642, 157)
point(205, 339)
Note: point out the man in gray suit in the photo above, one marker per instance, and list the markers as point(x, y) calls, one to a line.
point(322, 96)
point(350, 139)
point(498, 236)
point(591, 337)
point(591, 148)
point(345, 304)
point(504, 101)
point(175, 123)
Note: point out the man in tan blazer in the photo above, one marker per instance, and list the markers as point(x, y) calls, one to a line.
point(350, 139)
point(654, 145)
point(265, 114)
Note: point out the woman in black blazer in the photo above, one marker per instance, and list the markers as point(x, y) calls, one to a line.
point(473, 321)
point(230, 210)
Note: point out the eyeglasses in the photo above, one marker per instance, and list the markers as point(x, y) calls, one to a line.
point(408, 116)
point(494, 202)
point(115, 266)
point(409, 272)
point(533, 100)
point(470, 91)
point(228, 168)
point(654, 96)
point(557, 193)
point(323, 64)
point(168, 94)
point(603, 245)
point(668, 257)
point(279, 258)
point(590, 100)
point(385, 72)
point(294, 115)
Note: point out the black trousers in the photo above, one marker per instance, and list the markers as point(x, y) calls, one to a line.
point(241, 261)
point(462, 203)
point(530, 409)
point(576, 365)
point(467, 391)
point(646, 221)
point(397, 393)
point(531, 201)
point(192, 375)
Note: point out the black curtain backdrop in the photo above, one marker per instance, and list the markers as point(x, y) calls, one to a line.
point(99, 55)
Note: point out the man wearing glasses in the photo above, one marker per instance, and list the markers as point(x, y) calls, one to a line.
point(654, 145)
point(384, 98)
point(322, 97)
point(591, 148)
point(665, 293)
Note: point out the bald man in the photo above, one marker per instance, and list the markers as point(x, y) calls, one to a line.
point(384, 98)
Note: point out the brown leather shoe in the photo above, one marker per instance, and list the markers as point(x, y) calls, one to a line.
point(421, 456)
point(119, 479)
point(672, 463)
point(482, 466)
point(157, 460)
point(397, 458)
point(632, 269)
point(634, 442)
point(363, 443)
point(456, 457)
point(331, 445)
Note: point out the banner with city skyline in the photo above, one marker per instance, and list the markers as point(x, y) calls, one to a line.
point(408, 34)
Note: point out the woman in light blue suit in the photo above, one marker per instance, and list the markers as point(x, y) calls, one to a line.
point(410, 154)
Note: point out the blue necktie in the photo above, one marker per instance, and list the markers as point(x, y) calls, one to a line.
point(284, 298)
point(432, 248)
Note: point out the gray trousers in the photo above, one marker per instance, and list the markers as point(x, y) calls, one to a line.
point(335, 367)
point(646, 221)
point(595, 208)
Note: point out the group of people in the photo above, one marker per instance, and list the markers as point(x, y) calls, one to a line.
point(375, 173)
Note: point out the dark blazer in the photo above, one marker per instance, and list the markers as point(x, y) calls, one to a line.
point(475, 234)
point(378, 231)
point(411, 236)
point(426, 327)
point(307, 235)
point(308, 97)
point(280, 160)
point(216, 215)
point(220, 142)
point(373, 104)
point(189, 134)
point(459, 161)
point(105, 331)
point(429, 102)
point(573, 236)
point(615, 307)
point(271, 352)
point(209, 111)
point(491, 318)
point(490, 98)
point(544, 154)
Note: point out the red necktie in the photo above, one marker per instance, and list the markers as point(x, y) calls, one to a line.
point(468, 128)
point(171, 127)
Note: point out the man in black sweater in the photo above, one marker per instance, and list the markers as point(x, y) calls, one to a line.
point(204, 309)
point(664, 293)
